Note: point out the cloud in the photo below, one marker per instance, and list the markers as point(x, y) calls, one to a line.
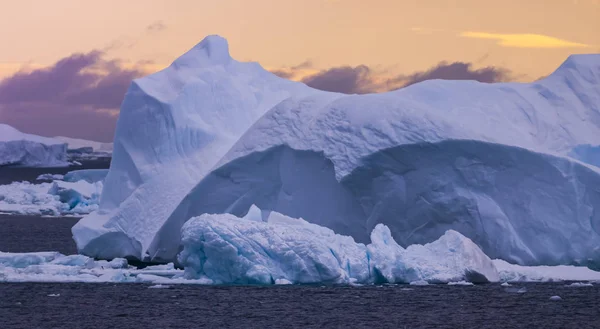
point(156, 27)
point(344, 79)
point(524, 40)
point(362, 79)
point(457, 71)
point(77, 96)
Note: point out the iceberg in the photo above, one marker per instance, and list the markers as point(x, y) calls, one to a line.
point(499, 163)
point(85, 146)
point(491, 161)
point(173, 127)
point(26, 150)
point(88, 175)
point(53, 199)
point(231, 250)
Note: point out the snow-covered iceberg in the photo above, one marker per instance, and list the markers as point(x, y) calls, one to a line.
point(227, 249)
point(85, 146)
point(20, 149)
point(496, 162)
point(173, 127)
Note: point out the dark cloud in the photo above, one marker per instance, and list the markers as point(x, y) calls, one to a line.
point(458, 71)
point(345, 79)
point(286, 74)
point(362, 79)
point(78, 96)
point(155, 27)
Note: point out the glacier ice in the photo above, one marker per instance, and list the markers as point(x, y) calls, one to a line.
point(499, 163)
point(55, 198)
point(88, 175)
point(20, 149)
point(227, 249)
point(74, 144)
point(173, 127)
point(491, 161)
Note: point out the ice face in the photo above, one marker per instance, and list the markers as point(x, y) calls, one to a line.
point(19, 149)
point(173, 127)
point(438, 155)
point(491, 161)
point(227, 249)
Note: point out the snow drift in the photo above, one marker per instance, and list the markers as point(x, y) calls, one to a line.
point(500, 163)
point(20, 149)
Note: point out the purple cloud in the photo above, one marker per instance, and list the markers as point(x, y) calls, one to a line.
point(155, 27)
point(78, 96)
point(362, 79)
point(458, 71)
point(344, 79)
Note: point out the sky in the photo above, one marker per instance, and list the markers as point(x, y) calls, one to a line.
point(65, 64)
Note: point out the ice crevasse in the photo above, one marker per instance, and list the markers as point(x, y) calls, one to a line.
point(507, 165)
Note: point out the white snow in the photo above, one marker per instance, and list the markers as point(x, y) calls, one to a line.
point(496, 162)
point(20, 149)
point(56, 198)
point(227, 249)
point(76, 143)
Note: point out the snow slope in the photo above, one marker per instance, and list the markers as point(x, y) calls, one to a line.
point(76, 143)
point(20, 149)
point(495, 162)
point(173, 127)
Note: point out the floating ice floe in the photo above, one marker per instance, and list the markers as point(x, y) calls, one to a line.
point(55, 198)
point(56, 267)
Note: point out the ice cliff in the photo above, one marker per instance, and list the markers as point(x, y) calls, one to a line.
point(510, 166)
point(20, 149)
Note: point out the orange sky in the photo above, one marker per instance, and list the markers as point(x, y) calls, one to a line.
point(530, 38)
point(65, 65)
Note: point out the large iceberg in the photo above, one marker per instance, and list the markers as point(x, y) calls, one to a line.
point(20, 149)
point(227, 249)
point(499, 163)
point(173, 127)
point(86, 146)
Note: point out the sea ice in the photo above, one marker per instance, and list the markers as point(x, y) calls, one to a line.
point(56, 198)
point(227, 249)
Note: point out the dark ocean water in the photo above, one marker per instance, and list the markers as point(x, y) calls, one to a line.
point(91, 305)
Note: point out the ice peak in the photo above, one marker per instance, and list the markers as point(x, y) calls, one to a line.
point(586, 65)
point(213, 49)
